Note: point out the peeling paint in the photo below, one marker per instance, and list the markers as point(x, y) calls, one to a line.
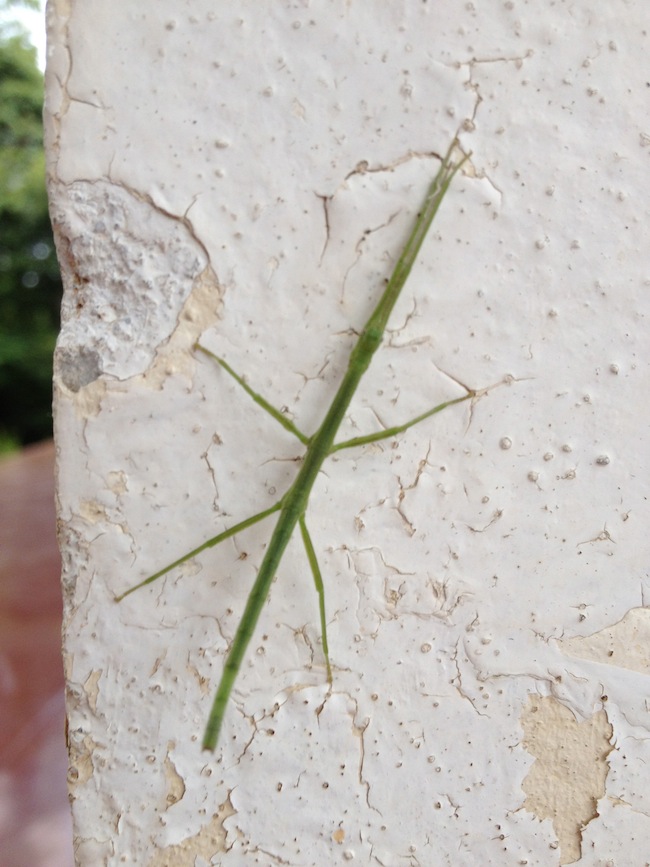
point(175, 783)
point(80, 769)
point(568, 777)
point(136, 299)
point(206, 844)
point(623, 645)
point(91, 688)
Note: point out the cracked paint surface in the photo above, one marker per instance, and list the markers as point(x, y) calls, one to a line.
point(470, 563)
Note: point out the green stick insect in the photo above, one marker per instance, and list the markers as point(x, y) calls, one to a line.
point(293, 505)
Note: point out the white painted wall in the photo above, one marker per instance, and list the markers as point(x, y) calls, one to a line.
point(486, 572)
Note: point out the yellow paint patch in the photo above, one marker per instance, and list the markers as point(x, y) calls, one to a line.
point(625, 644)
point(91, 688)
point(568, 776)
point(80, 763)
point(208, 843)
point(175, 783)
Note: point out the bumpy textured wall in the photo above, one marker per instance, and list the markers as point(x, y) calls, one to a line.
point(245, 174)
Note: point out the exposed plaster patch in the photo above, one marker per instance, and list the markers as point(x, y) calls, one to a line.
point(568, 776)
point(127, 266)
point(78, 367)
point(173, 356)
point(92, 512)
point(175, 783)
point(203, 846)
point(91, 687)
point(80, 765)
point(201, 310)
point(117, 482)
point(625, 644)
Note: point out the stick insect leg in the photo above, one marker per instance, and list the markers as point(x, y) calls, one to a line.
point(286, 423)
point(215, 540)
point(393, 431)
point(320, 589)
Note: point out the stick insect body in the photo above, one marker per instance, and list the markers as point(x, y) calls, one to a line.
point(293, 505)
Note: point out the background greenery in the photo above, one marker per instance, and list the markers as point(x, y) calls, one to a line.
point(30, 284)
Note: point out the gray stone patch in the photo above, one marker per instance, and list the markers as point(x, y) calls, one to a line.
point(128, 268)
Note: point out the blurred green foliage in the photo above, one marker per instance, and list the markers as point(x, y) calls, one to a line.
point(7, 4)
point(30, 284)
